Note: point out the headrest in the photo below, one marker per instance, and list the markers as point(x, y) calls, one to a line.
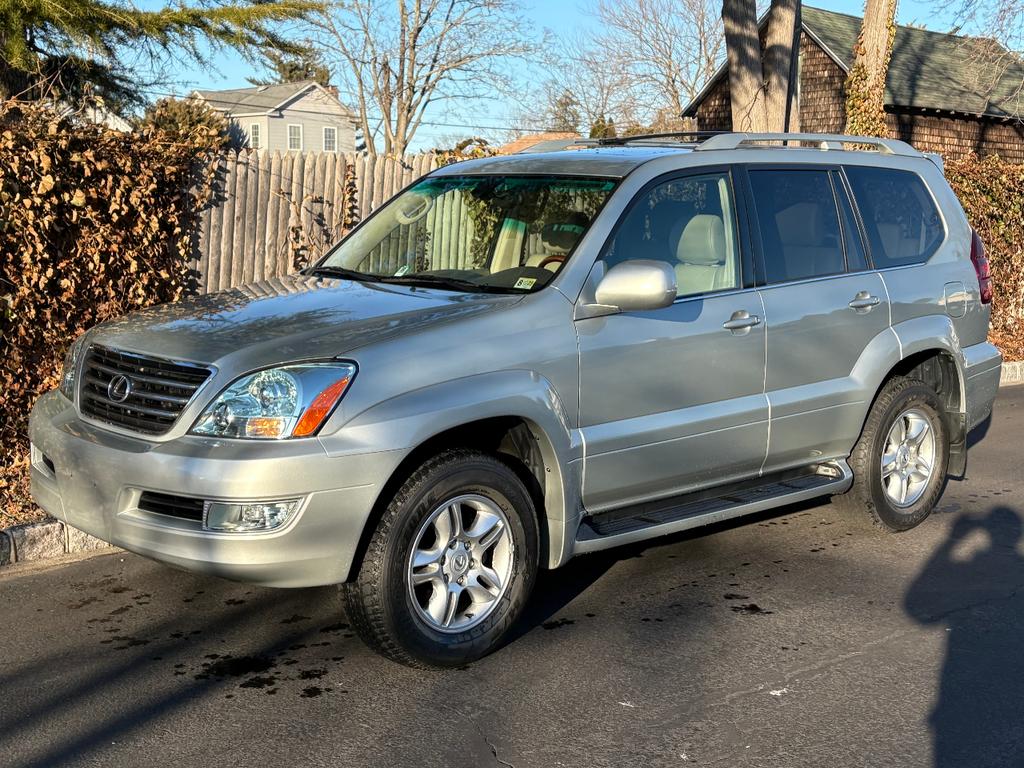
point(702, 241)
point(800, 224)
point(559, 237)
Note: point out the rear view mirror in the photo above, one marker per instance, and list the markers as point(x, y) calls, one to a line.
point(637, 284)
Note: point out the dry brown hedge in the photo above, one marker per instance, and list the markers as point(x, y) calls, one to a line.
point(93, 223)
point(992, 193)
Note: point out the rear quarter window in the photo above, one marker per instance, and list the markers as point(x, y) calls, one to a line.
point(900, 219)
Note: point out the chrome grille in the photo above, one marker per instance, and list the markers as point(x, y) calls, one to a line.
point(158, 391)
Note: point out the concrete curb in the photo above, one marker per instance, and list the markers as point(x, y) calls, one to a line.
point(45, 540)
point(50, 538)
point(1012, 373)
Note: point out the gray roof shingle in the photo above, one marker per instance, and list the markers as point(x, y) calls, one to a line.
point(933, 70)
point(260, 98)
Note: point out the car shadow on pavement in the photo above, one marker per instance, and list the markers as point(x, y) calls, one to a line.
point(972, 584)
point(556, 589)
point(978, 434)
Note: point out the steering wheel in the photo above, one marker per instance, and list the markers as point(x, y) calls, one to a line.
point(554, 259)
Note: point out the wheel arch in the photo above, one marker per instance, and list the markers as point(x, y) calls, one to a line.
point(927, 348)
point(524, 424)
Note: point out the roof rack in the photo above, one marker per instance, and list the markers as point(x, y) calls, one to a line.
point(824, 141)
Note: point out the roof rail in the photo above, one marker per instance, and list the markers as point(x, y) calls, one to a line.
point(824, 141)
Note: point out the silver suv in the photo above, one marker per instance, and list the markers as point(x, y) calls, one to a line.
point(521, 359)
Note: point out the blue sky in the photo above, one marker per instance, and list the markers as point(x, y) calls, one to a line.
point(229, 70)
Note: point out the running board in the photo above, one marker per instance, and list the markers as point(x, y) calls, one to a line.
point(659, 518)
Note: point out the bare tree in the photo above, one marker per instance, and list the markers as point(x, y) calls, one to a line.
point(997, 46)
point(781, 48)
point(396, 60)
point(564, 113)
point(746, 75)
point(761, 82)
point(667, 49)
point(642, 64)
point(578, 67)
point(865, 85)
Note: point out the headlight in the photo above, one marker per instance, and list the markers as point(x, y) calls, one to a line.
point(290, 401)
point(68, 376)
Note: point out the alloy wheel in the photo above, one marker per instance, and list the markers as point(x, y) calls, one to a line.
point(908, 458)
point(461, 563)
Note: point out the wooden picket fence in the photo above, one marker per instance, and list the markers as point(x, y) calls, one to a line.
point(269, 205)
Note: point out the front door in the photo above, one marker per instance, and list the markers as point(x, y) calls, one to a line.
point(672, 400)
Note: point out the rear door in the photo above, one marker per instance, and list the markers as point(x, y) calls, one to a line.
point(823, 306)
point(672, 399)
point(904, 230)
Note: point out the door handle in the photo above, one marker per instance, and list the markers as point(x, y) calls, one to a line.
point(864, 302)
point(741, 321)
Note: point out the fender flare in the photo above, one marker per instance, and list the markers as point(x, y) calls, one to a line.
point(411, 419)
point(896, 344)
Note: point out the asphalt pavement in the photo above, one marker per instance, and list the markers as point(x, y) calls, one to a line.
point(788, 639)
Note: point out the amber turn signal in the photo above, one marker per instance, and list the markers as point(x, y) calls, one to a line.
point(321, 406)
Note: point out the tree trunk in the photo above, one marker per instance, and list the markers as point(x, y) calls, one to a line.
point(781, 47)
point(865, 85)
point(746, 77)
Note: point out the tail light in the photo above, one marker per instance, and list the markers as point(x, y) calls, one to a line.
point(981, 267)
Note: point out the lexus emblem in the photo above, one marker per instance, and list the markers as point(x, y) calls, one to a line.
point(119, 388)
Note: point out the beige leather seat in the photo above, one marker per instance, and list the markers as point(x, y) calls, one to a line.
point(701, 255)
point(806, 248)
point(897, 247)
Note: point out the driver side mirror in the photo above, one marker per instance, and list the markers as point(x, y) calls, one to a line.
point(637, 284)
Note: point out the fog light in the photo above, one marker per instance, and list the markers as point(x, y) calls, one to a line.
point(257, 516)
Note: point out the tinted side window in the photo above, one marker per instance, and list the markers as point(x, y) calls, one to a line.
point(688, 223)
point(900, 219)
point(799, 224)
point(856, 259)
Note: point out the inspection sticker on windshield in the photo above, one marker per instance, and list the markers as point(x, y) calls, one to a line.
point(526, 283)
point(402, 270)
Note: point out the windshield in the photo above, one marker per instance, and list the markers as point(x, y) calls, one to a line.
point(508, 234)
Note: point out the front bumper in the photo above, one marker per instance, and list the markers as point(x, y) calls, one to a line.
point(92, 479)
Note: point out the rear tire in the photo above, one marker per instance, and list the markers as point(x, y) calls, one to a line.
point(451, 564)
point(899, 463)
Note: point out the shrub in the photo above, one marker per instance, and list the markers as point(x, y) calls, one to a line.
point(186, 120)
point(467, 149)
point(992, 193)
point(94, 223)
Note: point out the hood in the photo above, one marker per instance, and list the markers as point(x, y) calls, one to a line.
point(288, 318)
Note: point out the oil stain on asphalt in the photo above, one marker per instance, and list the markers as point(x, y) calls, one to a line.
point(299, 668)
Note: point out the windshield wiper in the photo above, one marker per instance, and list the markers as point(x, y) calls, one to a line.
point(433, 281)
point(440, 281)
point(329, 270)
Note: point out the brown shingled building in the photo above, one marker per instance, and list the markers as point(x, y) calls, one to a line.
point(944, 93)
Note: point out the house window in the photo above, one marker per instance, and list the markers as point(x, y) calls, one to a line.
point(295, 137)
point(330, 139)
point(254, 136)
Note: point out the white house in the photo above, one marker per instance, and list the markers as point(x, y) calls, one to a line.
point(300, 117)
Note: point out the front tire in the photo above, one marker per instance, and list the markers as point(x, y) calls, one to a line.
point(900, 461)
point(451, 564)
